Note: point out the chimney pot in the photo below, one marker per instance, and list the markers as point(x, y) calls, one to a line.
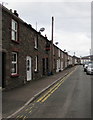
point(10, 10)
point(15, 13)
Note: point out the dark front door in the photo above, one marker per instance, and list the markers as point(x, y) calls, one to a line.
point(3, 69)
point(47, 69)
point(43, 65)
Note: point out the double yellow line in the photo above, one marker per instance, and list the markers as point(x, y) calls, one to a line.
point(45, 96)
point(54, 88)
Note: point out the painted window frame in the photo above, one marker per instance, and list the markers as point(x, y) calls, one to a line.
point(14, 62)
point(14, 31)
point(59, 53)
point(62, 54)
point(35, 43)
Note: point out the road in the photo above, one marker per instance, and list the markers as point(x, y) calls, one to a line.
point(69, 98)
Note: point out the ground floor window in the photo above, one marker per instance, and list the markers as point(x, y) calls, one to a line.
point(14, 63)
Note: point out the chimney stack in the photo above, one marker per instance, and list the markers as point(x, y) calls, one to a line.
point(15, 13)
point(11, 10)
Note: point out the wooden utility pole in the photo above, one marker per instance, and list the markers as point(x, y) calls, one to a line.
point(52, 59)
point(52, 29)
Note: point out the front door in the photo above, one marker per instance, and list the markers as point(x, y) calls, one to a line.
point(43, 65)
point(28, 68)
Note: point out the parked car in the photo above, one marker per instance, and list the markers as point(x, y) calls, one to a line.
point(89, 69)
point(86, 65)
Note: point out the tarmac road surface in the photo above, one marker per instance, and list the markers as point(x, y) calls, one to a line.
point(69, 98)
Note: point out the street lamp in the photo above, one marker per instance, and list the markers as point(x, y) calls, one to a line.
point(56, 43)
point(42, 29)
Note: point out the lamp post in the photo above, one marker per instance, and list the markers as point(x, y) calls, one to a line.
point(42, 29)
point(52, 59)
point(56, 43)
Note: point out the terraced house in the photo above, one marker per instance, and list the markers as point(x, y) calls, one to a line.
point(26, 54)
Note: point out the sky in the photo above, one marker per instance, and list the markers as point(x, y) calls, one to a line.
point(72, 21)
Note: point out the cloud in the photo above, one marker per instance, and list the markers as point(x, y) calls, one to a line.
point(77, 42)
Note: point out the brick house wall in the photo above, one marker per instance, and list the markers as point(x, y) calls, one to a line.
point(31, 48)
point(24, 47)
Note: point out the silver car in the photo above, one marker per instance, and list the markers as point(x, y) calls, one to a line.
point(86, 65)
point(89, 69)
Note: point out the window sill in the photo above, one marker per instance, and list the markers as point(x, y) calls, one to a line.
point(15, 41)
point(15, 75)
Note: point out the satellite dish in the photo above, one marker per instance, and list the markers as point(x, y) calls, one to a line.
point(41, 29)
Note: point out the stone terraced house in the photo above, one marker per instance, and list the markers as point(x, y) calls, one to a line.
point(26, 54)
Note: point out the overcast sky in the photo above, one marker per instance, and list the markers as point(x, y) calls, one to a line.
point(72, 22)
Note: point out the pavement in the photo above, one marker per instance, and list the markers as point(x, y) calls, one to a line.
point(16, 99)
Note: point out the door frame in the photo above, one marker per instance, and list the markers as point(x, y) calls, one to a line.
point(29, 73)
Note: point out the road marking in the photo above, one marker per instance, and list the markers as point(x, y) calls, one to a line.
point(47, 94)
point(30, 107)
point(54, 88)
point(46, 97)
point(33, 104)
point(49, 91)
point(27, 109)
point(18, 116)
point(21, 116)
point(24, 117)
point(30, 111)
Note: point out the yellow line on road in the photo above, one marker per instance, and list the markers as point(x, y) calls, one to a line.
point(21, 116)
point(24, 117)
point(46, 97)
point(30, 111)
point(18, 116)
point(52, 92)
point(54, 88)
point(30, 107)
point(47, 92)
point(27, 109)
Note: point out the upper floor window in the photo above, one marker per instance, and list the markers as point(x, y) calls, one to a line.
point(14, 30)
point(58, 52)
point(62, 54)
point(35, 43)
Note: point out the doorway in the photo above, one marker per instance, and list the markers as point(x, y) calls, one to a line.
point(43, 65)
point(28, 68)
